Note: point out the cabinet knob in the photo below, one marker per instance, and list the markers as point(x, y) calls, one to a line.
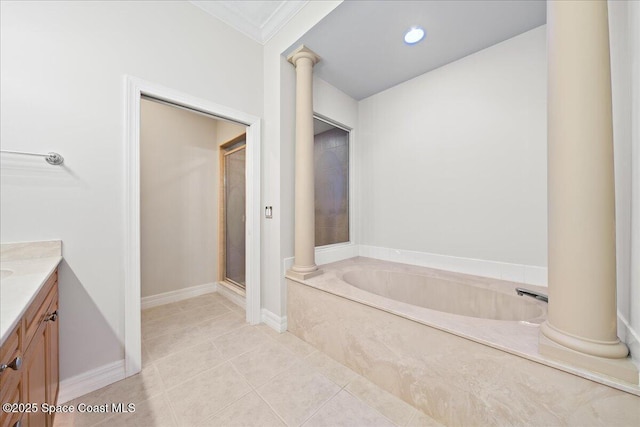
point(15, 364)
point(52, 317)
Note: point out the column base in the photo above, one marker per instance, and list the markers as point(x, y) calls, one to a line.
point(299, 275)
point(622, 369)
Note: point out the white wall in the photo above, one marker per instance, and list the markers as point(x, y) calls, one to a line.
point(278, 140)
point(633, 340)
point(453, 162)
point(178, 198)
point(624, 30)
point(62, 89)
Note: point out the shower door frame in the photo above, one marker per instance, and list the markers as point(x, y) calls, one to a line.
point(224, 151)
point(134, 89)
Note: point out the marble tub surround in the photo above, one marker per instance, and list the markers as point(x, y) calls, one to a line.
point(515, 337)
point(454, 380)
point(25, 268)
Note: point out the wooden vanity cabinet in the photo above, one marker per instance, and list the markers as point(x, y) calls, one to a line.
point(35, 341)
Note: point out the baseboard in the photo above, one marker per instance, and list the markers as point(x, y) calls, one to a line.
point(520, 273)
point(334, 253)
point(630, 337)
point(93, 380)
point(232, 296)
point(275, 322)
point(179, 295)
point(328, 254)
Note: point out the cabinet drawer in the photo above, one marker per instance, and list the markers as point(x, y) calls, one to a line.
point(37, 311)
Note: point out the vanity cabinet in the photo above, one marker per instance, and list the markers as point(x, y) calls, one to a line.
point(31, 355)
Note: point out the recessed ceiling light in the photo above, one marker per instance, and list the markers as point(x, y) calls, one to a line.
point(413, 35)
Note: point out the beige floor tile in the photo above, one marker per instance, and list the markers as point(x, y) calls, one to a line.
point(248, 411)
point(198, 314)
point(217, 326)
point(78, 419)
point(268, 330)
point(387, 404)
point(182, 320)
point(420, 419)
point(240, 341)
point(154, 412)
point(232, 305)
point(155, 313)
point(298, 392)
point(336, 372)
point(295, 344)
point(345, 410)
point(163, 325)
point(186, 381)
point(164, 345)
point(135, 389)
point(199, 301)
point(264, 362)
point(146, 359)
point(205, 394)
point(182, 365)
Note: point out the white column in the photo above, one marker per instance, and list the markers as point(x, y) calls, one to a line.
point(582, 326)
point(304, 265)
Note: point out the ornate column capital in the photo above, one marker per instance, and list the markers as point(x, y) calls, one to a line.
point(303, 52)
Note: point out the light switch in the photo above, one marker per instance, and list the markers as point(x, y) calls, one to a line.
point(268, 212)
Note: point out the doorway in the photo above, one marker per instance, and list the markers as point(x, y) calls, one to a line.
point(135, 89)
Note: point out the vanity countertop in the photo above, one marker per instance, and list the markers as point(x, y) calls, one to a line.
point(24, 269)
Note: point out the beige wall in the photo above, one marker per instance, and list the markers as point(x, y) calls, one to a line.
point(226, 131)
point(178, 207)
point(179, 196)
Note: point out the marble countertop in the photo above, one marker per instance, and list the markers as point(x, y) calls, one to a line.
point(24, 269)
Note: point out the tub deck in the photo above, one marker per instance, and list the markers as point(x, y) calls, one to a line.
point(437, 361)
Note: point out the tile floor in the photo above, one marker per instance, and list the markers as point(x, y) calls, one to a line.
point(204, 366)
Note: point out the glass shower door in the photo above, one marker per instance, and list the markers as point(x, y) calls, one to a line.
point(234, 211)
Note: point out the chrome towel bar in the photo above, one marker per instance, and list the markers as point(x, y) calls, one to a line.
point(51, 158)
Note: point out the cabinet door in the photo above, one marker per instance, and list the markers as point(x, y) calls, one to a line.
point(12, 395)
point(52, 355)
point(35, 378)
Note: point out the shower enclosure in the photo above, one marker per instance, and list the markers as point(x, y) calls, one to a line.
point(233, 211)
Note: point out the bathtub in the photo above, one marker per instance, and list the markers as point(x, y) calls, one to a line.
point(463, 349)
point(445, 295)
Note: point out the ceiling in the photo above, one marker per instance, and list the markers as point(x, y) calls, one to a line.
point(360, 42)
point(259, 20)
point(362, 48)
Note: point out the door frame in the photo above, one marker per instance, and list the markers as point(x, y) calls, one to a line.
point(134, 89)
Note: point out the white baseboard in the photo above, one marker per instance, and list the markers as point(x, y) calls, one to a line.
point(179, 295)
point(328, 254)
point(334, 253)
point(520, 273)
point(238, 300)
point(93, 380)
point(630, 337)
point(275, 322)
